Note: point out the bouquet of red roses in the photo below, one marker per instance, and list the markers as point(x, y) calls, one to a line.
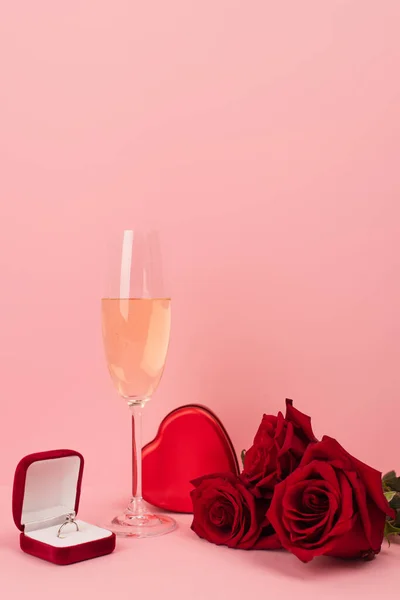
point(295, 492)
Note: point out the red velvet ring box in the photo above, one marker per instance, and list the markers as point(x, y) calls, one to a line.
point(47, 488)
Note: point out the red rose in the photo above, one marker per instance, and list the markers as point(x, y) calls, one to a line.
point(226, 513)
point(333, 505)
point(278, 447)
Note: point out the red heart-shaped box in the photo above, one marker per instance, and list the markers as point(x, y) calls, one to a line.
point(191, 442)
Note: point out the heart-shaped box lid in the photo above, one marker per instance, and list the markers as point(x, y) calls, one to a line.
point(191, 442)
point(47, 485)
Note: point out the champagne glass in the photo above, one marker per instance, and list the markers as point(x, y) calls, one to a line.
point(136, 321)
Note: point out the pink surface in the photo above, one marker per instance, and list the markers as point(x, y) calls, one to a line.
point(181, 566)
point(264, 141)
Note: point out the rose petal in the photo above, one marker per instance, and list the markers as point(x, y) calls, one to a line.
point(266, 431)
point(268, 542)
point(274, 514)
point(373, 483)
point(300, 421)
point(230, 477)
point(288, 440)
point(351, 544)
point(253, 531)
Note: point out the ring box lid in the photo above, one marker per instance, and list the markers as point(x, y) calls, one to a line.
point(47, 487)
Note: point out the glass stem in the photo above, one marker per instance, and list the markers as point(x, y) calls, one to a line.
point(137, 505)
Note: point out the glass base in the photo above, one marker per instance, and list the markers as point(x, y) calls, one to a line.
point(142, 525)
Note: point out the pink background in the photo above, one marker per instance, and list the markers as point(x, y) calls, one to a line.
point(263, 138)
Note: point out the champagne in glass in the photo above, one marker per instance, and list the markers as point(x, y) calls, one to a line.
point(136, 322)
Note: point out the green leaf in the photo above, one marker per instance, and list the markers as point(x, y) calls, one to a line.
point(393, 484)
point(389, 495)
point(397, 520)
point(243, 454)
point(395, 501)
point(390, 475)
point(391, 529)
